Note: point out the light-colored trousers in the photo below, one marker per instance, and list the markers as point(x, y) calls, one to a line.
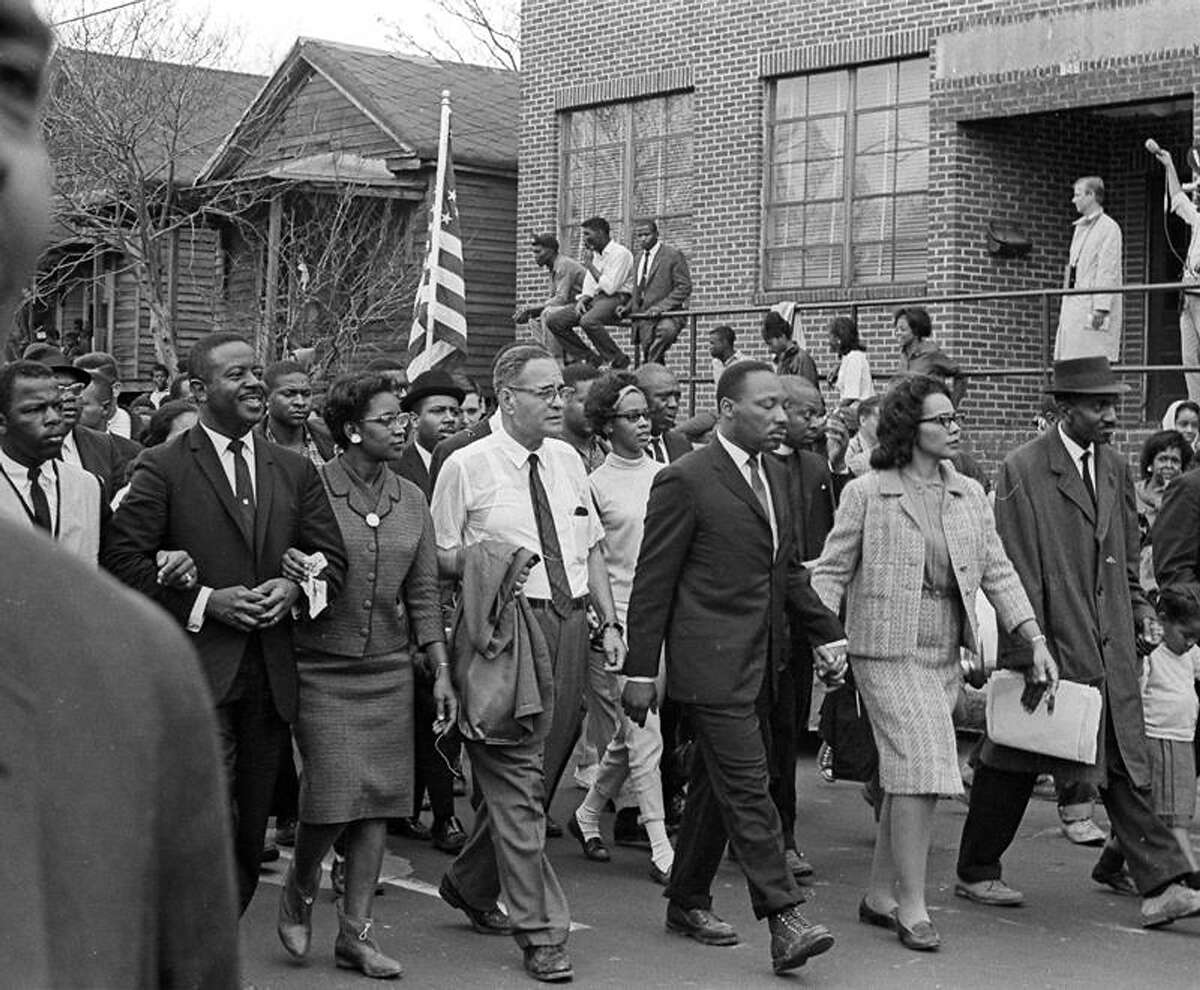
point(634, 754)
point(1189, 342)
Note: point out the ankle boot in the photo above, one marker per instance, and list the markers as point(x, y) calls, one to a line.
point(356, 948)
point(295, 916)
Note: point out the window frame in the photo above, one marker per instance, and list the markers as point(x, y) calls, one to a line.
point(848, 162)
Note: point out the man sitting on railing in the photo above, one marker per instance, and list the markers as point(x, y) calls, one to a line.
point(662, 283)
point(566, 279)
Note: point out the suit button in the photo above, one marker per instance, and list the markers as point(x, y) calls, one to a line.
point(1104, 641)
point(371, 576)
point(367, 603)
point(364, 632)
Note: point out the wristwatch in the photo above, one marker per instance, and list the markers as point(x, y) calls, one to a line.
point(612, 624)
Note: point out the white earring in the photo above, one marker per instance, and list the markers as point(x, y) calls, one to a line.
point(356, 439)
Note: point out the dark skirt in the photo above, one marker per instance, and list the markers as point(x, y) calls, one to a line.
point(355, 736)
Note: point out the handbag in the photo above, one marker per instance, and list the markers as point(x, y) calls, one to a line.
point(846, 728)
point(1068, 733)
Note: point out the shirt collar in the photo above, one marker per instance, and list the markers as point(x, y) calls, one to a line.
point(18, 471)
point(652, 253)
point(1073, 448)
point(741, 457)
point(220, 441)
point(425, 455)
point(515, 452)
point(1087, 221)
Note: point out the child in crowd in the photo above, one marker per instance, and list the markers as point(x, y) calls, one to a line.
point(1170, 702)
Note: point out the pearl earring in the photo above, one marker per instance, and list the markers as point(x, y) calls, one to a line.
point(356, 439)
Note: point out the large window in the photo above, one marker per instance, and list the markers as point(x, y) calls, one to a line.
point(847, 177)
point(625, 162)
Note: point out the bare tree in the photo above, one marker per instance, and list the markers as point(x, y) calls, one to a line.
point(487, 31)
point(135, 108)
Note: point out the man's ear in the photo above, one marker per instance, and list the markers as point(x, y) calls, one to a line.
point(3, 425)
point(199, 389)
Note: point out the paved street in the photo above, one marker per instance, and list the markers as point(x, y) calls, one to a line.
point(1070, 933)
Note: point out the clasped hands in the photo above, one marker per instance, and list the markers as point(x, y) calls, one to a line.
point(259, 607)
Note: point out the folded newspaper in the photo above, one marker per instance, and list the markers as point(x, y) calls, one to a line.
point(1068, 733)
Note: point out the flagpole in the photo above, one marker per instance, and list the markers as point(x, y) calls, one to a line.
point(435, 233)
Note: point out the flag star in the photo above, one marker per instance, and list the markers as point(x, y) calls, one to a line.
point(452, 195)
point(447, 219)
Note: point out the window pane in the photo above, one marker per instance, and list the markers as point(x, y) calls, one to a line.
point(679, 114)
point(679, 193)
point(788, 144)
point(914, 80)
point(872, 220)
point(787, 182)
point(872, 262)
point(912, 170)
point(827, 92)
point(611, 123)
point(789, 97)
point(874, 174)
point(823, 265)
point(582, 129)
point(910, 261)
point(826, 136)
point(786, 226)
point(824, 222)
point(876, 85)
point(825, 179)
point(679, 153)
point(876, 132)
point(911, 215)
point(649, 119)
point(785, 269)
point(647, 161)
point(912, 127)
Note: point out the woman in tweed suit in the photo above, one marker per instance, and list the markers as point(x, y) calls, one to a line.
point(912, 542)
point(354, 727)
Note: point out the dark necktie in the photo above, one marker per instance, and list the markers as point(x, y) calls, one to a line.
point(1087, 476)
point(560, 587)
point(656, 448)
point(41, 505)
point(759, 489)
point(243, 491)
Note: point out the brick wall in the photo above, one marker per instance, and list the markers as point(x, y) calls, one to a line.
point(1004, 148)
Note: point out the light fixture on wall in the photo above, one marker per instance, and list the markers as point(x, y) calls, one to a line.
point(1006, 240)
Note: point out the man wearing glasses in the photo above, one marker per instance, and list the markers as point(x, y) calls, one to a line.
point(523, 487)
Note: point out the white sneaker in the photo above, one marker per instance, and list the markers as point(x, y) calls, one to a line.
point(1084, 832)
point(1177, 901)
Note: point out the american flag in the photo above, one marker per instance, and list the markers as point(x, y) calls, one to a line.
point(439, 327)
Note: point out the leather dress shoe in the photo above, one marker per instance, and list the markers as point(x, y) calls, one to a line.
point(661, 877)
point(548, 963)
point(269, 854)
point(627, 831)
point(797, 865)
point(922, 937)
point(869, 916)
point(294, 923)
point(700, 924)
point(356, 948)
point(994, 893)
point(593, 849)
point(410, 828)
point(449, 836)
point(492, 921)
point(1118, 880)
point(794, 940)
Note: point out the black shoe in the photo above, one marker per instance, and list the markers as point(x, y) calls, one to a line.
point(269, 854)
point(869, 916)
point(1119, 880)
point(628, 832)
point(794, 940)
point(548, 963)
point(493, 921)
point(660, 877)
point(410, 828)
point(922, 937)
point(553, 829)
point(449, 836)
point(593, 849)
point(285, 833)
point(700, 924)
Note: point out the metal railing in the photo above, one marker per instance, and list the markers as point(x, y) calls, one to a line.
point(854, 307)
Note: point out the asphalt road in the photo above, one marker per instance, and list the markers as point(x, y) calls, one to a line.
point(1070, 933)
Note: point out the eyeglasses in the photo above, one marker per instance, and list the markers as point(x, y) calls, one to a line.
point(74, 389)
point(548, 393)
point(389, 421)
point(945, 420)
point(632, 417)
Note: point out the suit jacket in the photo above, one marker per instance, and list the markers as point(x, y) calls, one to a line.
point(448, 446)
point(711, 586)
point(875, 556)
point(1079, 565)
point(106, 455)
point(412, 466)
point(180, 498)
point(815, 495)
point(1176, 533)
point(107, 741)
point(675, 445)
point(668, 284)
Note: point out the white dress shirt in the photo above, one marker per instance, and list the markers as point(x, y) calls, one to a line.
point(647, 262)
point(742, 459)
point(615, 267)
point(426, 455)
point(482, 493)
point(220, 444)
point(1077, 453)
point(18, 474)
point(70, 453)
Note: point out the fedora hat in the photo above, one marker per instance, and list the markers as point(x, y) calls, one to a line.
point(1085, 376)
point(56, 361)
point(432, 382)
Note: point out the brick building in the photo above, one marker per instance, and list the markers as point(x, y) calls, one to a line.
point(855, 152)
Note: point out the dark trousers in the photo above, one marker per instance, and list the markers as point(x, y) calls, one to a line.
point(675, 736)
point(567, 639)
point(654, 337)
point(431, 772)
point(778, 717)
point(285, 805)
point(728, 800)
point(999, 798)
point(594, 323)
point(252, 736)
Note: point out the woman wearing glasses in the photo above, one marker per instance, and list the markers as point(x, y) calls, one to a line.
point(912, 543)
point(354, 728)
point(617, 411)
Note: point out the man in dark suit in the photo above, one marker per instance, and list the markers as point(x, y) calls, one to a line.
point(235, 504)
point(661, 283)
point(1066, 515)
point(718, 561)
point(661, 389)
point(432, 401)
point(112, 809)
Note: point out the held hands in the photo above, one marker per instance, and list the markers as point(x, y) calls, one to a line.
point(1040, 679)
point(248, 609)
point(1149, 635)
point(831, 664)
point(638, 698)
point(176, 569)
point(294, 565)
point(278, 596)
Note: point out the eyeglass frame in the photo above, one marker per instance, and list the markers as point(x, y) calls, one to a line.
point(564, 393)
point(944, 420)
point(389, 420)
point(633, 415)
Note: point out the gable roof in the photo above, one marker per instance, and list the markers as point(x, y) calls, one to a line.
point(401, 94)
point(173, 115)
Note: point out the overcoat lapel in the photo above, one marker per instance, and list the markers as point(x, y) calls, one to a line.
point(1068, 479)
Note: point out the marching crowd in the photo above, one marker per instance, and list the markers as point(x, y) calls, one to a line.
point(379, 592)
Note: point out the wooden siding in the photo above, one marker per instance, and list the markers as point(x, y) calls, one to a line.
point(488, 210)
point(318, 119)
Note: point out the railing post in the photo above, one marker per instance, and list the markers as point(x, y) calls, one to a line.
point(1046, 332)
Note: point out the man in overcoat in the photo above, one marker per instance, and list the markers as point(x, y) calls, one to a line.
point(1065, 512)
